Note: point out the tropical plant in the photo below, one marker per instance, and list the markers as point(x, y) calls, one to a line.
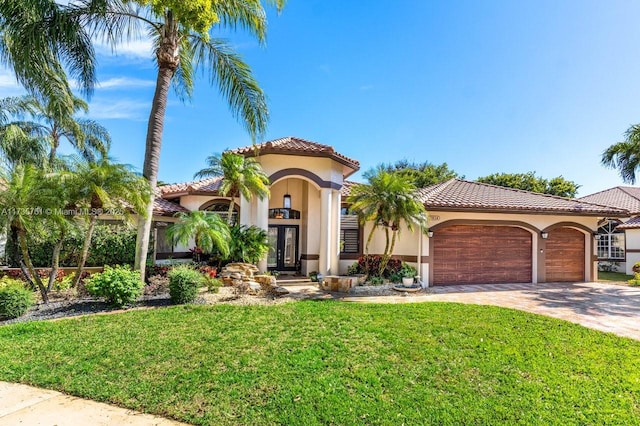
point(100, 186)
point(387, 201)
point(181, 33)
point(625, 155)
point(119, 285)
point(208, 231)
point(247, 244)
point(39, 39)
point(558, 186)
point(50, 123)
point(240, 175)
point(28, 203)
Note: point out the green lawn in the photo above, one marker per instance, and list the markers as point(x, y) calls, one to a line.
point(613, 276)
point(329, 362)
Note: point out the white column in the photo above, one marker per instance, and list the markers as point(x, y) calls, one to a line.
point(324, 264)
point(334, 234)
point(245, 211)
point(262, 221)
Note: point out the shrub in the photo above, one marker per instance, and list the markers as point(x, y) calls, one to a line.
point(635, 281)
point(110, 245)
point(213, 284)
point(15, 299)
point(119, 285)
point(183, 284)
point(370, 265)
point(376, 281)
point(158, 284)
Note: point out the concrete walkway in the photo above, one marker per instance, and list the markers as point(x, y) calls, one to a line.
point(28, 406)
point(604, 307)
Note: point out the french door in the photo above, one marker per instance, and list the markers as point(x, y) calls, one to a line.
point(283, 247)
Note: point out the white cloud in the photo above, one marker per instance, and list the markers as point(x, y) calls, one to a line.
point(139, 49)
point(9, 86)
point(124, 82)
point(123, 109)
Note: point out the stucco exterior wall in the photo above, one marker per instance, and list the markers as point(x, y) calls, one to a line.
point(632, 242)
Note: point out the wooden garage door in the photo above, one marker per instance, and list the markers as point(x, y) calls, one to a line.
point(564, 255)
point(470, 254)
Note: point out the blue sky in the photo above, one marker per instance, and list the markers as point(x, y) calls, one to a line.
point(486, 86)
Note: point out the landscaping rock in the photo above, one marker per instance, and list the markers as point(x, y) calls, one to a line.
point(280, 291)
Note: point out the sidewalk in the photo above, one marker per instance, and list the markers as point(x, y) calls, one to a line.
point(28, 406)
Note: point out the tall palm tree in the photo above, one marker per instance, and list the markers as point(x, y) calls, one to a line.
point(183, 42)
point(240, 175)
point(52, 123)
point(625, 155)
point(39, 40)
point(208, 230)
point(387, 201)
point(99, 186)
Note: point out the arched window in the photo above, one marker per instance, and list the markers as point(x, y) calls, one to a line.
point(221, 207)
point(610, 241)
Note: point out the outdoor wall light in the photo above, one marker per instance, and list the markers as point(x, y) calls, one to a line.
point(544, 235)
point(430, 234)
point(286, 201)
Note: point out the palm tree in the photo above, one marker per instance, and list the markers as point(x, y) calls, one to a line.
point(387, 201)
point(208, 230)
point(99, 186)
point(240, 175)
point(53, 124)
point(39, 39)
point(181, 32)
point(625, 155)
point(26, 203)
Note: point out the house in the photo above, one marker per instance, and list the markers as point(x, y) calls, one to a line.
point(478, 233)
point(618, 238)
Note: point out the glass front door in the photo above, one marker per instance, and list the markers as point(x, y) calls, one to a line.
point(283, 247)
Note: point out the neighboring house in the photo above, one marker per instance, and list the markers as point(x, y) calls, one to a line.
point(478, 233)
point(618, 238)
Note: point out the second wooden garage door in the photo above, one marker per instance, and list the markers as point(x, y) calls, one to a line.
point(470, 254)
point(564, 255)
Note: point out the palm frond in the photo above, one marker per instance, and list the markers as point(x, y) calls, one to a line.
point(233, 77)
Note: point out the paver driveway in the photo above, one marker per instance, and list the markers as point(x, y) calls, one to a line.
point(605, 307)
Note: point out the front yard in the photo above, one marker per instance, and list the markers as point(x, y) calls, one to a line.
point(613, 277)
point(329, 362)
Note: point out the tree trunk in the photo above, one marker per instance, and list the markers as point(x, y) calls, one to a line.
point(366, 247)
point(230, 214)
point(168, 60)
point(55, 262)
point(85, 250)
point(385, 254)
point(22, 239)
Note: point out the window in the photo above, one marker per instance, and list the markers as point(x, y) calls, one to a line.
point(163, 243)
point(221, 208)
point(610, 242)
point(349, 232)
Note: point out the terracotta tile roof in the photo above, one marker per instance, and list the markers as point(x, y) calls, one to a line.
point(620, 197)
point(457, 194)
point(462, 194)
point(209, 185)
point(633, 223)
point(346, 188)
point(164, 207)
point(297, 146)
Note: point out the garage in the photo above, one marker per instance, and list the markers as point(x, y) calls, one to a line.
point(564, 255)
point(480, 254)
